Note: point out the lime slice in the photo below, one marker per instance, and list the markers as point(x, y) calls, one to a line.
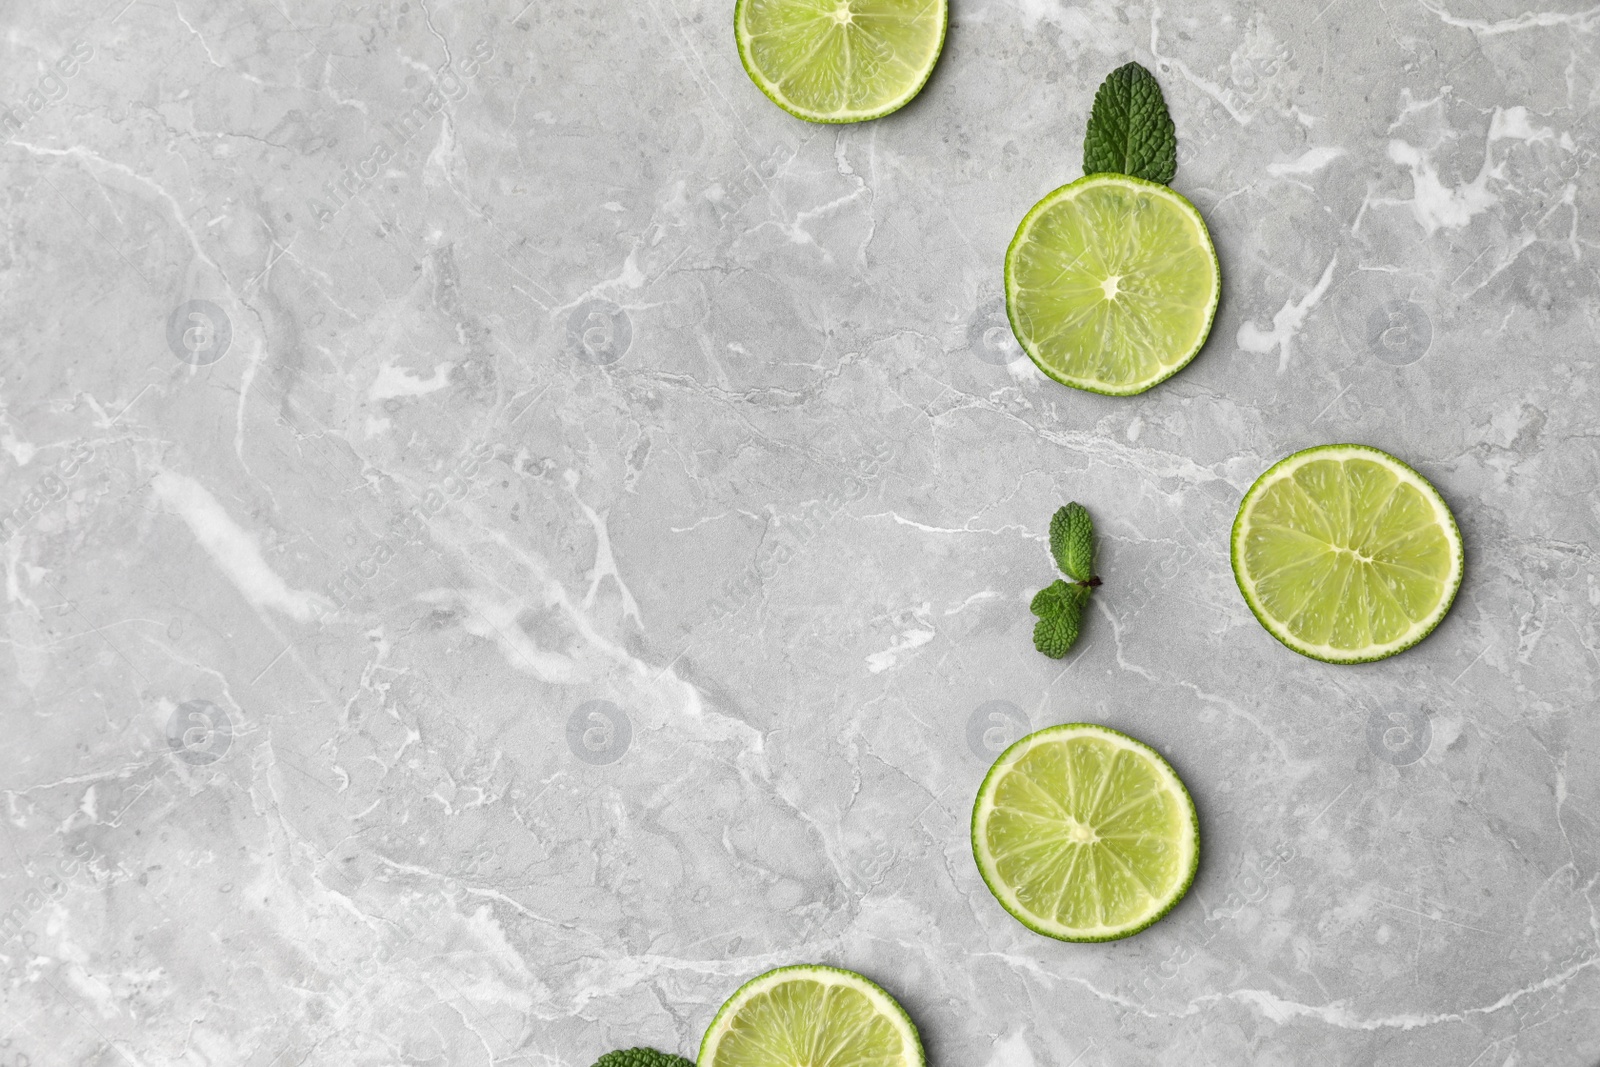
point(811, 1016)
point(1112, 283)
point(1085, 834)
point(839, 60)
point(1346, 554)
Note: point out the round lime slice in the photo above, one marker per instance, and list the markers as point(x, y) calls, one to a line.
point(840, 60)
point(1085, 834)
point(1112, 284)
point(811, 1016)
point(1346, 554)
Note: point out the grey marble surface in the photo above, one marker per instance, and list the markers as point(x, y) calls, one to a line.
point(484, 616)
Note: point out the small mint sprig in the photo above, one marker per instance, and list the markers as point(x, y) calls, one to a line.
point(1130, 130)
point(1060, 604)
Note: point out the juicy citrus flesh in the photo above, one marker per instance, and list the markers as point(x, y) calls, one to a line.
point(840, 60)
point(1346, 554)
point(811, 1016)
point(1085, 834)
point(1112, 283)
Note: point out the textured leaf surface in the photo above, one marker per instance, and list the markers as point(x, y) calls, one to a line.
point(641, 1057)
point(1130, 130)
point(1072, 541)
point(1060, 610)
point(1055, 635)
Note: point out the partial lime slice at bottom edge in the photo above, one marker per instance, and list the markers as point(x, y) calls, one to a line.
point(1112, 284)
point(1084, 833)
point(809, 1015)
point(1345, 554)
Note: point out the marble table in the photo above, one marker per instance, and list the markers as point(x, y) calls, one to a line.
point(509, 534)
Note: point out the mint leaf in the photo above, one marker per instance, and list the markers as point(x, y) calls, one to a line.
point(1060, 610)
point(1056, 635)
point(641, 1057)
point(1057, 596)
point(1060, 604)
point(1072, 541)
point(1130, 130)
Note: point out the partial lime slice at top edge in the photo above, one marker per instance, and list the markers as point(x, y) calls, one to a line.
point(811, 1016)
point(840, 60)
point(1345, 554)
point(1085, 834)
point(1112, 284)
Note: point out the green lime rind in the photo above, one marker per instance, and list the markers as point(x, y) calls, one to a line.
point(1170, 364)
point(983, 805)
point(772, 92)
point(881, 1000)
point(1327, 653)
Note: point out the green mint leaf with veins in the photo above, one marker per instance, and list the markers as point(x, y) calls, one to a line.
point(1072, 542)
point(1060, 610)
point(1130, 130)
point(1060, 604)
point(641, 1057)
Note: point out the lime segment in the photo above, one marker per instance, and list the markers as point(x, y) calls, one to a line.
point(1346, 554)
point(811, 1016)
point(840, 60)
point(1085, 834)
point(1112, 283)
